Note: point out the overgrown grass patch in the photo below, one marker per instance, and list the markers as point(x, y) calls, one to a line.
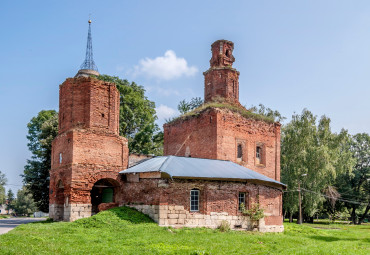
point(126, 231)
point(221, 104)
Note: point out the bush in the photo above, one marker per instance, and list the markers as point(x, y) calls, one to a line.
point(224, 226)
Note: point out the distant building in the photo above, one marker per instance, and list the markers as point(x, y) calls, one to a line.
point(217, 159)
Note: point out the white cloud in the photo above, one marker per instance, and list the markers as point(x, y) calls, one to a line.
point(164, 112)
point(166, 67)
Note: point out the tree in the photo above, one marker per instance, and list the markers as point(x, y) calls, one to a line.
point(268, 112)
point(3, 181)
point(137, 117)
point(42, 129)
point(24, 204)
point(355, 185)
point(185, 106)
point(10, 198)
point(312, 156)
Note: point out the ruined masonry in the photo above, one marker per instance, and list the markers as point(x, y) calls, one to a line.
point(216, 160)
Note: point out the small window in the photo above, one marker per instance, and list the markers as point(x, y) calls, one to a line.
point(242, 200)
point(60, 158)
point(194, 200)
point(259, 154)
point(240, 151)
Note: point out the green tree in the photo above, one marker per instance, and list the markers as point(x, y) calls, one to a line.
point(185, 106)
point(268, 112)
point(24, 204)
point(3, 181)
point(313, 156)
point(137, 117)
point(10, 198)
point(355, 185)
point(42, 129)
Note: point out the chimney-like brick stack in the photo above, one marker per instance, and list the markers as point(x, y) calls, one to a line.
point(222, 80)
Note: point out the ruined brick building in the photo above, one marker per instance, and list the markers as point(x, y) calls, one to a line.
point(218, 157)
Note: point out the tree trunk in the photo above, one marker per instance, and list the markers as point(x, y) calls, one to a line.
point(365, 213)
point(353, 215)
point(290, 217)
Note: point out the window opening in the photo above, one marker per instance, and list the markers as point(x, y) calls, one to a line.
point(242, 200)
point(60, 158)
point(240, 151)
point(259, 154)
point(194, 200)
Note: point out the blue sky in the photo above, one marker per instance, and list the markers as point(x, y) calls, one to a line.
point(291, 55)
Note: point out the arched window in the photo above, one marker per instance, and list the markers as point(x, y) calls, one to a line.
point(194, 200)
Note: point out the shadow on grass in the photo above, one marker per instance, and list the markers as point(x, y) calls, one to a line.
point(332, 238)
point(47, 221)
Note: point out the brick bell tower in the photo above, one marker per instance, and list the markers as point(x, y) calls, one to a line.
point(221, 79)
point(88, 152)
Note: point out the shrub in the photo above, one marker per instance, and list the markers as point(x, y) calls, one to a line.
point(224, 226)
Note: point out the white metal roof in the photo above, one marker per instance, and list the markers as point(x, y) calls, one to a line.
point(186, 167)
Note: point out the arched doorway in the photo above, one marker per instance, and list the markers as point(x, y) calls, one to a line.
point(103, 191)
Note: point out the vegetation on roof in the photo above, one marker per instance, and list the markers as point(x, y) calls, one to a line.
point(222, 104)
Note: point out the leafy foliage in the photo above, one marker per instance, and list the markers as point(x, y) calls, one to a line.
point(310, 148)
point(185, 106)
point(255, 212)
point(137, 117)
point(268, 112)
point(10, 197)
point(356, 184)
point(222, 104)
point(42, 129)
point(3, 181)
point(24, 204)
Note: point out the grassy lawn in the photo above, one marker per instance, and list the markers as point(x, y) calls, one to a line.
point(126, 231)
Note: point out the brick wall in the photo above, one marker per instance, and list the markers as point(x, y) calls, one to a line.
point(168, 202)
point(87, 148)
point(216, 133)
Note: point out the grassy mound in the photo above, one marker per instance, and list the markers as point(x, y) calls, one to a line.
point(116, 217)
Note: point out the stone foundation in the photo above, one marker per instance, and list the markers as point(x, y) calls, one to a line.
point(177, 216)
point(69, 212)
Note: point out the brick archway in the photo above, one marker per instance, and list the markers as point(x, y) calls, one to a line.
point(103, 191)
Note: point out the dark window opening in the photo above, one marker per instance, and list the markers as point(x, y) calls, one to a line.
point(194, 200)
point(242, 201)
point(240, 151)
point(259, 154)
point(228, 53)
point(102, 115)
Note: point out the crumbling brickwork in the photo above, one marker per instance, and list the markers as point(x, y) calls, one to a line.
point(168, 202)
point(87, 148)
point(216, 134)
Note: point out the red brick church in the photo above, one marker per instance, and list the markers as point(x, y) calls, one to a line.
point(216, 158)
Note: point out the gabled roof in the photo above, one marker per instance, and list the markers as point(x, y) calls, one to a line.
point(198, 168)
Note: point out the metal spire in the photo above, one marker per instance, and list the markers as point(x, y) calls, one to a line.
point(89, 63)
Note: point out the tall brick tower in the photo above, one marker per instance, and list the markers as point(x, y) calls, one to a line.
point(222, 128)
point(221, 79)
point(88, 152)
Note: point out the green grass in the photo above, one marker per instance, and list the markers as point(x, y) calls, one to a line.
point(224, 105)
point(4, 216)
point(126, 231)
